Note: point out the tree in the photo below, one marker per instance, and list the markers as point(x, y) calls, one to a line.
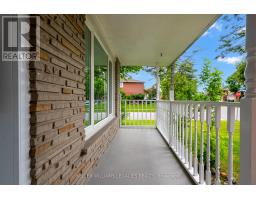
point(185, 83)
point(235, 81)
point(155, 71)
point(126, 70)
point(233, 42)
point(151, 92)
point(233, 39)
point(211, 81)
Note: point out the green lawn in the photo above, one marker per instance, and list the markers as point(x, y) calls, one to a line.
point(223, 145)
point(138, 106)
point(223, 148)
point(138, 122)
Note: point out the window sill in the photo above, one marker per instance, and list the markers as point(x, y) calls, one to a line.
point(93, 129)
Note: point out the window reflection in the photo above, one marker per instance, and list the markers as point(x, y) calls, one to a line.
point(100, 82)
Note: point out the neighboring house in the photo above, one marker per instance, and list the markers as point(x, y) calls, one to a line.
point(131, 87)
point(230, 96)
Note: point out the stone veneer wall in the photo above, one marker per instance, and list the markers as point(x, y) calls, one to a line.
point(58, 151)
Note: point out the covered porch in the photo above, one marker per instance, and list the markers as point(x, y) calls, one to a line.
point(185, 126)
point(64, 127)
point(138, 156)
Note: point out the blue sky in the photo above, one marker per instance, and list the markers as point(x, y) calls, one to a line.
point(207, 45)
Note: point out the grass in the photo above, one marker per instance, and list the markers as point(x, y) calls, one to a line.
point(138, 106)
point(127, 122)
point(224, 139)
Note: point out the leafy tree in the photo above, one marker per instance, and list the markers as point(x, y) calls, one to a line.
point(235, 81)
point(185, 83)
point(156, 72)
point(126, 70)
point(151, 92)
point(233, 41)
point(211, 81)
point(205, 74)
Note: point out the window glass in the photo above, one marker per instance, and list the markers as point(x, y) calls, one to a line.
point(87, 118)
point(100, 82)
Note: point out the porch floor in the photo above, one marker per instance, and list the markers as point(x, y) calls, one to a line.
point(138, 157)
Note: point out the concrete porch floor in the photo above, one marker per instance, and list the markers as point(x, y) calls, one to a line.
point(138, 157)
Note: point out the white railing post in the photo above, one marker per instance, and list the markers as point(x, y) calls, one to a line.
point(183, 132)
point(186, 132)
point(171, 125)
point(177, 127)
point(217, 147)
point(230, 128)
point(208, 152)
point(125, 112)
point(190, 135)
point(195, 140)
point(248, 109)
point(180, 125)
point(201, 165)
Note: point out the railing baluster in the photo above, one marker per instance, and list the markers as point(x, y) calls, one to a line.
point(186, 133)
point(230, 128)
point(138, 112)
point(133, 113)
point(183, 132)
point(190, 135)
point(125, 112)
point(208, 152)
point(217, 152)
point(175, 122)
point(201, 165)
point(173, 125)
point(150, 107)
point(176, 127)
point(195, 140)
point(180, 121)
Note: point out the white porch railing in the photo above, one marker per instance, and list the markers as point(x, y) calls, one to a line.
point(181, 123)
point(138, 113)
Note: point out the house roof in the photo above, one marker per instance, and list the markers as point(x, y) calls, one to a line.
point(131, 81)
point(149, 40)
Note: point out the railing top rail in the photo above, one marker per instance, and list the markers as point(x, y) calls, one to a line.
point(136, 100)
point(211, 103)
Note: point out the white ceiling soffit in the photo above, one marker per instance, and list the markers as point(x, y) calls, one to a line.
point(151, 40)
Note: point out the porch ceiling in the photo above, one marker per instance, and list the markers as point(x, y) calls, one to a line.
point(141, 39)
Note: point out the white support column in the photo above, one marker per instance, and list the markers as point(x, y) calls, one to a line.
point(172, 83)
point(157, 84)
point(248, 109)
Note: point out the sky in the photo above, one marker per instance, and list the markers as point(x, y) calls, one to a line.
point(207, 45)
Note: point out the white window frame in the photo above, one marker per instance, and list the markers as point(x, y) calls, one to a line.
point(93, 128)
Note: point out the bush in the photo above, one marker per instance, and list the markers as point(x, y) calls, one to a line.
point(135, 97)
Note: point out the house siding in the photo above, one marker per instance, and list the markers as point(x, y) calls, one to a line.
point(58, 151)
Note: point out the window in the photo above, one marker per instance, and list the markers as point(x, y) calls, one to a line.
point(87, 118)
point(98, 84)
point(110, 87)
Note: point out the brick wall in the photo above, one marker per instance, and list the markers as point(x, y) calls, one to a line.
point(131, 88)
point(58, 151)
